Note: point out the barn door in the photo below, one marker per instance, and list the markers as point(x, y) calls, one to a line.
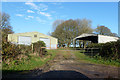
point(46, 41)
point(24, 40)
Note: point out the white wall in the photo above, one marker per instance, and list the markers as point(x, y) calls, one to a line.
point(26, 40)
point(53, 46)
point(104, 39)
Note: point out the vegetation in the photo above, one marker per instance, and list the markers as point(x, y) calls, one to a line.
point(96, 60)
point(10, 51)
point(21, 57)
point(65, 31)
point(17, 57)
point(105, 31)
point(29, 63)
point(37, 48)
point(109, 50)
point(5, 26)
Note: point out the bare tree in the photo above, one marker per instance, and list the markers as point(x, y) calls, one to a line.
point(5, 26)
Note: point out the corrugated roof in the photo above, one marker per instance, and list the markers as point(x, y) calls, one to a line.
point(85, 35)
point(90, 34)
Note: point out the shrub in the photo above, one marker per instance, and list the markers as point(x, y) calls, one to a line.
point(26, 49)
point(37, 48)
point(9, 50)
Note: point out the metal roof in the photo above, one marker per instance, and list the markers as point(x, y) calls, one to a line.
point(85, 35)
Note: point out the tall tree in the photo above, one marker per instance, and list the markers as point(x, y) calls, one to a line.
point(56, 23)
point(114, 34)
point(84, 26)
point(66, 31)
point(5, 26)
point(69, 29)
point(105, 31)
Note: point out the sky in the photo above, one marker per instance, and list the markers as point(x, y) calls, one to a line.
point(39, 16)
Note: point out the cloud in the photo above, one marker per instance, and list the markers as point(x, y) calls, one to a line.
point(29, 17)
point(45, 14)
point(40, 9)
point(19, 15)
point(34, 6)
point(30, 11)
point(40, 20)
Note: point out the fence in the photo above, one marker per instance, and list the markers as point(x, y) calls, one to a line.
point(88, 51)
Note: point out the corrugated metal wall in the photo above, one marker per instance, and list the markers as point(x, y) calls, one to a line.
point(104, 39)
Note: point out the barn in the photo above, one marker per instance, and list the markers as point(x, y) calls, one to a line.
point(95, 38)
point(30, 37)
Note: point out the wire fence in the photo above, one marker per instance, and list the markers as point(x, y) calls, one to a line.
point(88, 51)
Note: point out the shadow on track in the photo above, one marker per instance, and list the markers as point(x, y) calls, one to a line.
point(53, 75)
point(63, 74)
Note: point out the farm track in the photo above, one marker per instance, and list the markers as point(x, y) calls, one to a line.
point(70, 68)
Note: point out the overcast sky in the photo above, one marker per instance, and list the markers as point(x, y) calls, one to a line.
point(39, 16)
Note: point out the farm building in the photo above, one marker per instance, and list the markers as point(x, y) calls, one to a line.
point(95, 38)
point(31, 37)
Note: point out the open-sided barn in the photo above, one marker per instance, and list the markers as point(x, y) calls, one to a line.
point(96, 38)
point(30, 37)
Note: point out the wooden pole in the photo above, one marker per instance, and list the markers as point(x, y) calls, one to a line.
point(50, 43)
point(32, 48)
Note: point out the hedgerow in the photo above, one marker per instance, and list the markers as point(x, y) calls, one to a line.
point(9, 50)
point(109, 50)
point(17, 52)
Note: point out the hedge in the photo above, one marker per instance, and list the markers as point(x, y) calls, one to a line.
point(11, 51)
point(109, 50)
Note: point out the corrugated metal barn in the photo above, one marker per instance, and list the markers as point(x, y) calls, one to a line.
point(96, 38)
point(31, 37)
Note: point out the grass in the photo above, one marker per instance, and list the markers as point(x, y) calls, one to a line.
point(29, 64)
point(66, 55)
point(37, 62)
point(83, 57)
point(65, 48)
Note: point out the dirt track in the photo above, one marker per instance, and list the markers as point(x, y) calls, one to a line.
point(71, 68)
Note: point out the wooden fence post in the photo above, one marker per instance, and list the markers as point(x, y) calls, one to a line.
point(32, 48)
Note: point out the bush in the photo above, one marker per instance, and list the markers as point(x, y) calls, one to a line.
point(37, 48)
point(10, 50)
point(26, 49)
point(109, 50)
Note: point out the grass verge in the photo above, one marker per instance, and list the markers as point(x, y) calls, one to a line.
point(29, 64)
point(81, 56)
